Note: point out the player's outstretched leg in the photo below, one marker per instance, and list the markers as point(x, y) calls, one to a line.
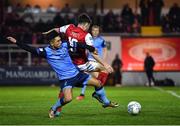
point(61, 102)
point(111, 104)
point(58, 111)
point(100, 94)
point(58, 104)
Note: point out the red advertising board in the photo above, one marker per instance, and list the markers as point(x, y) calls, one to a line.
point(165, 51)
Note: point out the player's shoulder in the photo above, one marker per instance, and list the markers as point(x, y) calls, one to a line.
point(64, 44)
point(47, 48)
point(80, 30)
point(89, 36)
point(71, 26)
point(76, 29)
point(68, 26)
point(100, 37)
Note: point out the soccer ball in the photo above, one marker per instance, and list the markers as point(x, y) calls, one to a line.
point(134, 108)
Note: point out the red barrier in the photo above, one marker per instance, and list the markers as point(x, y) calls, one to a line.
point(165, 51)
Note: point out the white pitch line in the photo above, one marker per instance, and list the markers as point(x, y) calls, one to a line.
point(169, 92)
point(174, 94)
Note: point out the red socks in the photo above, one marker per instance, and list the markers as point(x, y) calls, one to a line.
point(102, 77)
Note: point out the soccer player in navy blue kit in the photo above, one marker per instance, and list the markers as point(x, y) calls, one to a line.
point(100, 45)
point(69, 76)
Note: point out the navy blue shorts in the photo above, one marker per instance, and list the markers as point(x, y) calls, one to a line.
point(80, 79)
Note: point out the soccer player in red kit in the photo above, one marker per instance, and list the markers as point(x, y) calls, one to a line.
point(79, 56)
point(100, 45)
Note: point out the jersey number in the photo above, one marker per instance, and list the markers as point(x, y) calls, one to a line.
point(73, 44)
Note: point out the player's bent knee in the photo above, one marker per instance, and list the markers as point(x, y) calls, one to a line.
point(94, 82)
point(98, 84)
point(67, 100)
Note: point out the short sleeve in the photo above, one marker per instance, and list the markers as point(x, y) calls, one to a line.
point(65, 44)
point(103, 43)
point(89, 39)
point(63, 28)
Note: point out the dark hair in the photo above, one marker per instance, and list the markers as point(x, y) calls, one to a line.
point(96, 26)
point(84, 18)
point(51, 35)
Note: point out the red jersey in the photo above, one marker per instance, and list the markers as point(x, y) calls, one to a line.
point(76, 34)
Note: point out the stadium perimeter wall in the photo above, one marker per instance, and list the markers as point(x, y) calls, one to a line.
point(139, 78)
point(46, 76)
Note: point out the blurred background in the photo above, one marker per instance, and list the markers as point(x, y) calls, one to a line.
point(131, 28)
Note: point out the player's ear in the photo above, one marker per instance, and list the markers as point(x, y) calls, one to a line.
point(52, 42)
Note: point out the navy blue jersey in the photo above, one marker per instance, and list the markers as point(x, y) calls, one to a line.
point(60, 61)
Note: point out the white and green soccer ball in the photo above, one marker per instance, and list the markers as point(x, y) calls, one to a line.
point(134, 107)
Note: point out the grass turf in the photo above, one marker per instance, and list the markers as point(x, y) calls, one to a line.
point(30, 105)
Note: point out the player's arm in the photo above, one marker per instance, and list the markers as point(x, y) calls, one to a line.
point(89, 41)
point(80, 45)
point(33, 50)
point(56, 29)
point(104, 53)
point(85, 46)
point(61, 29)
point(102, 62)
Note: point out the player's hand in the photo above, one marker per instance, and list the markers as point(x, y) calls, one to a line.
point(95, 52)
point(11, 39)
point(108, 68)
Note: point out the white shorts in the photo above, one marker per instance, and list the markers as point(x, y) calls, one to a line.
point(88, 66)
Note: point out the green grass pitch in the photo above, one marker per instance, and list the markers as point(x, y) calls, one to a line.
point(30, 105)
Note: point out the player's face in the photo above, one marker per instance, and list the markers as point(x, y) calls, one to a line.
point(95, 32)
point(57, 42)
